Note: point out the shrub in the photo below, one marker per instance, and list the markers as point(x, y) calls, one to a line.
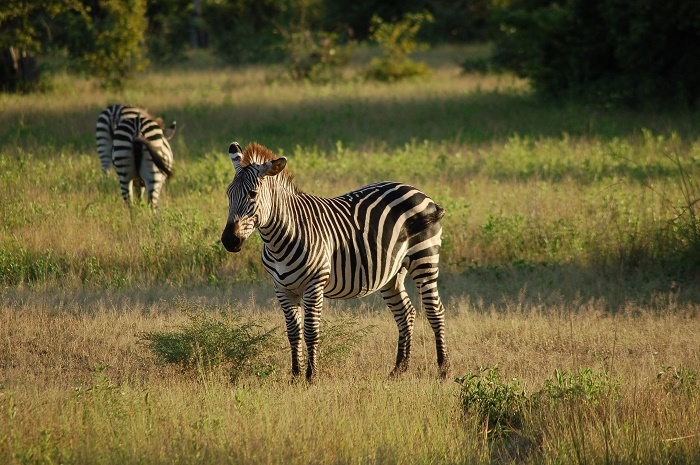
point(584, 386)
point(338, 338)
point(501, 405)
point(678, 380)
point(684, 226)
point(620, 52)
point(205, 344)
point(397, 41)
point(315, 55)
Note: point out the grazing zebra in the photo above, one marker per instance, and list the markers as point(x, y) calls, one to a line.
point(343, 247)
point(141, 153)
point(107, 122)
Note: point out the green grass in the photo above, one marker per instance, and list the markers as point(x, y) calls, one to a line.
point(569, 261)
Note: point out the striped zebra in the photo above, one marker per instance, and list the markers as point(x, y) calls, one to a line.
point(341, 248)
point(142, 156)
point(107, 122)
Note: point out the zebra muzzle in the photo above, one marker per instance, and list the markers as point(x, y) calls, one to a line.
point(230, 240)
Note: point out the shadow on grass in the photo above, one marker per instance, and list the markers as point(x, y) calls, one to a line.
point(475, 119)
point(526, 287)
point(501, 290)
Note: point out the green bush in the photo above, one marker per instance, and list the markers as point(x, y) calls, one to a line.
point(501, 405)
point(206, 344)
point(397, 41)
point(585, 386)
point(679, 380)
point(620, 52)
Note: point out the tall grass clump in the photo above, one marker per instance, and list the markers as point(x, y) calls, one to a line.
point(684, 224)
point(205, 345)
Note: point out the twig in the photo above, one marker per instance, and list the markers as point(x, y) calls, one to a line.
point(681, 438)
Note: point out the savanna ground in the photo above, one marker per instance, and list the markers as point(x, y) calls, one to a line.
point(568, 269)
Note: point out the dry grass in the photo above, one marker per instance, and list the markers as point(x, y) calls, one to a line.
point(78, 388)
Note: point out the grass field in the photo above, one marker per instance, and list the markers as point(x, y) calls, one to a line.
point(569, 271)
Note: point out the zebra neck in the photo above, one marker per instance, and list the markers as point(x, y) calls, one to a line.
point(286, 221)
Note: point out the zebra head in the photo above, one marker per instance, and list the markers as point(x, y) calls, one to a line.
point(249, 196)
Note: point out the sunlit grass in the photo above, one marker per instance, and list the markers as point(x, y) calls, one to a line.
point(78, 387)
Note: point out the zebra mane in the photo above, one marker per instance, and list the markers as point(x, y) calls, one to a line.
point(258, 154)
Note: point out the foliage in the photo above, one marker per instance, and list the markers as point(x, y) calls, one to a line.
point(455, 20)
point(583, 387)
point(119, 43)
point(206, 344)
point(338, 338)
point(315, 55)
point(679, 379)
point(500, 405)
point(244, 31)
point(21, 37)
point(684, 225)
point(397, 41)
point(169, 31)
point(620, 52)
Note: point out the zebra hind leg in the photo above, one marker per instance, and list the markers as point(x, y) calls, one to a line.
point(396, 298)
point(425, 277)
point(127, 189)
point(139, 187)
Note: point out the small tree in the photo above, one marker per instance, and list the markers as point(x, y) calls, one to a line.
point(119, 42)
point(20, 39)
point(398, 41)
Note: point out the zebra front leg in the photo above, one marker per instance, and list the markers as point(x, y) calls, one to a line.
point(313, 303)
point(425, 276)
point(292, 315)
point(396, 298)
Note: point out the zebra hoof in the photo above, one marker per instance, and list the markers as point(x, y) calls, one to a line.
point(444, 369)
point(399, 369)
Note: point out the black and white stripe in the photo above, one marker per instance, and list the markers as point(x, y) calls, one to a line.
point(141, 152)
point(107, 122)
point(343, 247)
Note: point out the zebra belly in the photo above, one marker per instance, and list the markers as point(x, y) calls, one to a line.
point(348, 282)
point(344, 279)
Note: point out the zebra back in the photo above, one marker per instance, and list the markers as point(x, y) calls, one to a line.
point(141, 150)
point(107, 122)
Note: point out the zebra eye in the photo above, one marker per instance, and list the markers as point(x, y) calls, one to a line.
point(252, 194)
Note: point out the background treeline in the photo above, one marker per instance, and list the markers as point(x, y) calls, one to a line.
point(621, 52)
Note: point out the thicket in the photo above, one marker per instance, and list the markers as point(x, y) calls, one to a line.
point(613, 52)
point(111, 40)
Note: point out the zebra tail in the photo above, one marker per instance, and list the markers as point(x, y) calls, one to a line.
point(419, 223)
point(155, 156)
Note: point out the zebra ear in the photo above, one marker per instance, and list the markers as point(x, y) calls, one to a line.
point(235, 152)
point(169, 132)
point(273, 167)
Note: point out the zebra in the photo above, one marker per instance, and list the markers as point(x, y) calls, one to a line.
point(141, 152)
point(341, 248)
point(107, 122)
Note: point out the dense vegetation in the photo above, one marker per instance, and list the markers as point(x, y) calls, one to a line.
point(619, 52)
point(607, 52)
